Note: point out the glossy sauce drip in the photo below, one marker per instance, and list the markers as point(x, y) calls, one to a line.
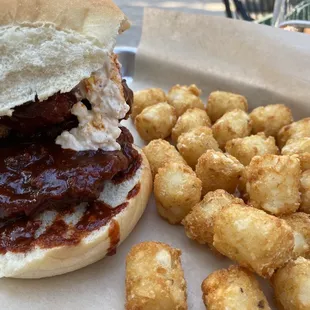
point(31, 117)
point(40, 176)
point(134, 192)
point(128, 95)
point(132, 168)
point(19, 237)
point(114, 235)
point(37, 175)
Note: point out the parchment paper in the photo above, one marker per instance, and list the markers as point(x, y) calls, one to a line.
point(267, 65)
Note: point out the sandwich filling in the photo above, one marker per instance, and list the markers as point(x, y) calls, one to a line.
point(98, 126)
point(60, 152)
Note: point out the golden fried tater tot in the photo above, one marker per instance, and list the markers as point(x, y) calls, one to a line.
point(242, 186)
point(244, 149)
point(305, 192)
point(295, 130)
point(273, 183)
point(176, 190)
point(160, 152)
point(194, 143)
point(255, 239)
point(270, 119)
point(156, 121)
point(198, 223)
point(232, 125)
point(292, 285)
point(191, 119)
point(221, 102)
point(234, 288)
point(154, 278)
point(300, 223)
point(145, 98)
point(218, 171)
point(300, 146)
point(184, 97)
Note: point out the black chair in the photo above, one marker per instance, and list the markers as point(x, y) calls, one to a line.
point(249, 9)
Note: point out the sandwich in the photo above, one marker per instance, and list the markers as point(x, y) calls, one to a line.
point(72, 183)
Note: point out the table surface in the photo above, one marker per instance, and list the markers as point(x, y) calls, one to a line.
point(134, 11)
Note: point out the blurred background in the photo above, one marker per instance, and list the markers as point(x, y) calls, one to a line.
point(292, 15)
point(134, 10)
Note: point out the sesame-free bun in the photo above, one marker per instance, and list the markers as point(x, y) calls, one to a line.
point(100, 19)
point(51, 46)
point(46, 262)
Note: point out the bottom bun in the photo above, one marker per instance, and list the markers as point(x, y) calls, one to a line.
point(40, 262)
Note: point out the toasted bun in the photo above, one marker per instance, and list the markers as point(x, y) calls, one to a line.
point(50, 46)
point(42, 262)
point(99, 19)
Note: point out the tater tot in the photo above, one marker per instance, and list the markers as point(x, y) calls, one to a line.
point(183, 98)
point(292, 285)
point(191, 119)
point(271, 118)
point(198, 223)
point(145, 98)
point(221, 102)
point(300, 146)
point(244, 149)
point(159, 152)
point(253, 238)
point(242, 185)
point(234, 288)
point(218, 171)
point(295, 130)
point(232, 125)
point(273, 183)
point(155, 278)
point(156, 121)
point(176, 190)
point(305, 192)
point(194, 143)
point(300, 223)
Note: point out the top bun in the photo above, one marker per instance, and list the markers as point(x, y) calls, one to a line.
point(100, 19)
point(50, 46)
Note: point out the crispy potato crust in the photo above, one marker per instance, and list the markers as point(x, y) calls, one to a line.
point(294, 130)
point(177, 189)
point(270, 119)
point(194, 143)
point(234, 288)
point(232, 125)
point(255, 239)
point(191, 119)
point(145, 98)
point(273, 183)
point(154, 278)
point(221, 102)
point(184, 97)
point(305, 192)
point(300, 146)
point(156, 121)
point(292, 285)
point(160, 152)
point(199, 222)
point(300, 223)
point(218, 171)
point(244, 149)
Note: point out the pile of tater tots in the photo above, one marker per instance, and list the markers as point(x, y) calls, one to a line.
point(239, 183)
